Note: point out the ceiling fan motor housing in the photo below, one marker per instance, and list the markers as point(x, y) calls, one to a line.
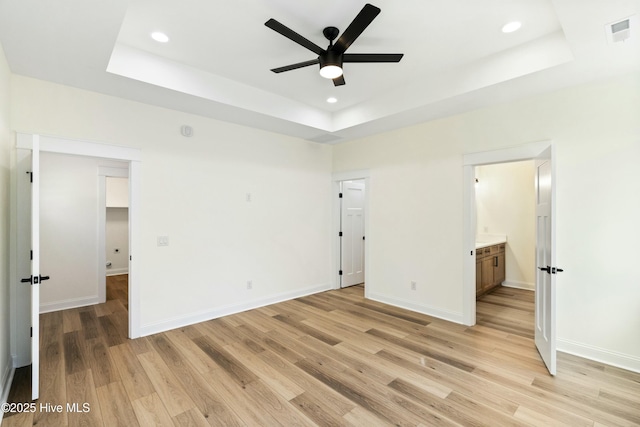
point(330, 57)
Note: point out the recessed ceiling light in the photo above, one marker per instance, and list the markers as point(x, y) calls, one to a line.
point(332, 100)
point(160, 37)
point(511, 27)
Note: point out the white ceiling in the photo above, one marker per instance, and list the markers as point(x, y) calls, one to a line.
point(218, 61)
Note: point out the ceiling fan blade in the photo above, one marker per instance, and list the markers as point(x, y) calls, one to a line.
point(372, 57)
point(295, 66)
point(357, 26)
point(338, 81)
point(292, 35)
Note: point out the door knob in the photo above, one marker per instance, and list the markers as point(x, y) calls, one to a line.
point(547, 269)
point(35, 280)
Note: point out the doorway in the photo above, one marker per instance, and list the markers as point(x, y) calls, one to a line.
point(351, 233)
point(545, 305)
point(352, 268)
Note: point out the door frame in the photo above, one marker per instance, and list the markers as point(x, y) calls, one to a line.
point(337, 178)
point(133, 157)
point(527, 151)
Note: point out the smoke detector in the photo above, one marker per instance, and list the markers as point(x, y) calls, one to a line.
point(622, 30)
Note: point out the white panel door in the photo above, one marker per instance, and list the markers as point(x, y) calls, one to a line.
point(35, 278)
point(352, 241)
point(545, 311)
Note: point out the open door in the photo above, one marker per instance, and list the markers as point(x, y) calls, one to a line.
point(545, 320)
point(352, 234)
point(35, 278)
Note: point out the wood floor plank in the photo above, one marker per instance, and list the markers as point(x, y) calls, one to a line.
point(226, 361)
point(71, 320)
point(115, 406)
point(165, 383)
point(205, 397)
point(194, 354)
point(150, 411)
point(191, 418)
point(89, 322)
point(73, 353)
point(132, 375)
point(83, 398)
point(270, 376)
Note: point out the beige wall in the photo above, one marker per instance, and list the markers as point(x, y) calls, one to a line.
point(505, 204)
point(6, 143)
point(194, 191)
point(416, 197)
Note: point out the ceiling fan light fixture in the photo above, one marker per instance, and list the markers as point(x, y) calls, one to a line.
point(330, 65)
point(330, 71)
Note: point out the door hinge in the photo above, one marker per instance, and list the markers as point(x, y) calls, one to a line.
point(31, 255)
point(340, 195)
point(30, 176)
point(339, 233)
point(340, 273)
point(31, 332)
point(362, 237)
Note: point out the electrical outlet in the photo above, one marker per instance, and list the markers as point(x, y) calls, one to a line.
point(249, 284)
point(163, 240)
point(413, 285)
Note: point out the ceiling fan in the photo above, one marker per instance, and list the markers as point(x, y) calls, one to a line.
point(332, 58)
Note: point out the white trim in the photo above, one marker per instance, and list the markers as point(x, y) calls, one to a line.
point(203, 316)
point(337, 178)
point(80, 148)
point(451, 316)
point(7, 380)
point(117, 271)
point(621, 360)
point(519, 285)
point(505, 155)
point(102, 238)
point(69, 303)
point(135, 239)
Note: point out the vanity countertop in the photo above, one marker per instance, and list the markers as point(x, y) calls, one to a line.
point(484, 240)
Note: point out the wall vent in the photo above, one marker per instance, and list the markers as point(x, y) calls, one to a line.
point(622, 30)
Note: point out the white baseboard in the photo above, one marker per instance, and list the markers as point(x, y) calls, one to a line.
point(6, 380)
point(620, 360)
point(420, 308)
point(203, 316)
point(117, 271)
point(67, 304)
point(519, 285)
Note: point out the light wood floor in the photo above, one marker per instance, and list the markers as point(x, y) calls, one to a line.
point(328, 359)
